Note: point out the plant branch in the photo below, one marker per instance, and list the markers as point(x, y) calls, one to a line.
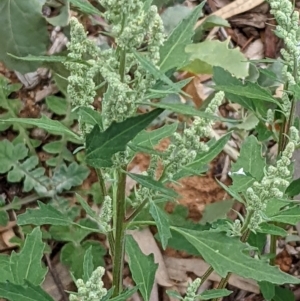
point(119, 225)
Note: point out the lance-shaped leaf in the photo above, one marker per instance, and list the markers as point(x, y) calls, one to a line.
point(24, 30)
point(101, 146)
point(142, 267)
point(289, 216)
point(172, 52)
point(150, 183)
point(162, 223)
point(27, 292)
point(52, 126)
point(227, 256)
point(214, 293)
point(86, 7)
point(46, 214)
point(27, 264)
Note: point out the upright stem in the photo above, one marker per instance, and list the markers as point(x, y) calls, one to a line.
point(119, 225)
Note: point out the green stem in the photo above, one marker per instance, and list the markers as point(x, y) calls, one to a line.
point(119, 226)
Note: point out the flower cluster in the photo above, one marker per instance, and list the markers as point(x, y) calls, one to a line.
point(191, 292)
point(92, 290)
point(185, 147)
point(81, 86)
point(134, 25)
point(106, 214)
point(287, 29)
point(275, 181)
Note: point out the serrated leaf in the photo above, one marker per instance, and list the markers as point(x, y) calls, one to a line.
point(139, 263)
point(250, 160)
point(27, 264)
point(198, 166)
point(86, 7)
point(27, 292)
point(152, 138)
point(267, 289)
point(157, 73)
point(44, 215)
point(203, 56)
point(90, 116)
point(215, 211)
point(228, 256)
point(150, 183)
point(289, 216)
point(294, 188)
point(272, 229)
point(10, 155)
point(100, 146)
point(162, 223)
point(73, 256)
point(66, 177)
point(24, 29)
point(52, 126)
point(214, 293)
point(88, 266)
point(172, 52)
point(257, 100)
point(74, 232)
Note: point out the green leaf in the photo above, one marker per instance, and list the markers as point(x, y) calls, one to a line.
point(215, 211)
point(125, 295)
point(283, 294)
point(52, 126)
point(172, 15)
point(86, 206)
point(86, 7)
point(267, 289)
point(290, 216)
point(250, 160)
point(214, 293)
point(152, 138)
point(157, 73)
point(27, 264)
point(150, 183)
point(199, 164)
point(44, 215)
point(24, 30)
point(229, 256)
point(62, 19)
point(4, 218)
point(73, 256)
point(66, 177)
point(28, 292)
point(100, 146)
point(74, 232)
point(203, 56)
point(57, 105)
point(88, 266)
point(250, 95)
point(294, 188)
point(142, 267)
point(172, 54)
point(90, 116)
point(10, 155)
point(184, 110)
point(272, 229)
point(162, 223)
